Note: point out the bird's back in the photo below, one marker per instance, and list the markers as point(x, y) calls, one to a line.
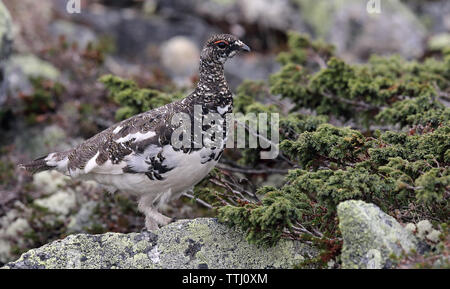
point(136, 155)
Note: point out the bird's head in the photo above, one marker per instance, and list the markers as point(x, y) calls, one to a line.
point(221, 47)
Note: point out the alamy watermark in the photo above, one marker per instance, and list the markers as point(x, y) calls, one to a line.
point(213, 130)
point(73, 6)
point(373, 7)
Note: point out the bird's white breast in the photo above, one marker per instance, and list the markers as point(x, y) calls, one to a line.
point(187, 170)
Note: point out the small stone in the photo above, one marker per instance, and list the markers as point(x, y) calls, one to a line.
point(180, 56)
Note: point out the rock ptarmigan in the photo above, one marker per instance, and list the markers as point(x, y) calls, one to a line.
point(137, 155)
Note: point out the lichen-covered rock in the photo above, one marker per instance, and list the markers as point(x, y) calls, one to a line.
point(22, 67)
point(198, 243)
point(11, 226)
point(38, 141)
point(83, 218)
point(371, 236)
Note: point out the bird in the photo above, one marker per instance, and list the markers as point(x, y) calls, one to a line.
point(137, 155)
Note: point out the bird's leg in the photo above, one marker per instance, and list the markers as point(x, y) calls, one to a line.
point(150, 224)
point(153, 218)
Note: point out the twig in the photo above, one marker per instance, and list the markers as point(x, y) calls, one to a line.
point(440, 93)
point(198, 200)
point(319, 61)
point(220, 183)
point(251, 194)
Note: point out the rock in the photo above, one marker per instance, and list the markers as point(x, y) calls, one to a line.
point(435, 14)
point(180, 56)
point(72, 32)
point(271, 14)
point(32, 66)
point(37, 141)
point(357, 33)
point(439, 41)
point(12, 225)
point(371, 236)
point(6, 39)
point(134, 32)
point(250, 66)
point(22, 67)
point(83, 218)
point(197, 243)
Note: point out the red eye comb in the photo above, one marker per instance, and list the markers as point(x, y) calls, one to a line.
point(219, 41)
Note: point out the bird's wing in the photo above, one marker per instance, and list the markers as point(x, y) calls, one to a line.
point(127, 147)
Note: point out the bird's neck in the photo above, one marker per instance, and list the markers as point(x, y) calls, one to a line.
point(212, 86)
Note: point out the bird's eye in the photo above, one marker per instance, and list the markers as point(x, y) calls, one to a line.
point(221, 44)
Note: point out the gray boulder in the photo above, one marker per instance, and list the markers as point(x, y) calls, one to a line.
point(358, 31)
point(197, 243)
point(22, 67)
point(371, 236)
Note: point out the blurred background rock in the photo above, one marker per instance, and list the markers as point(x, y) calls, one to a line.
point(50, 98)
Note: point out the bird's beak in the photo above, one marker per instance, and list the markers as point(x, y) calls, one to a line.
point(242, 46)
point(245, 47)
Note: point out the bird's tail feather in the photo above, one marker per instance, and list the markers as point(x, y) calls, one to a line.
point(48, 162)
point(36, 166)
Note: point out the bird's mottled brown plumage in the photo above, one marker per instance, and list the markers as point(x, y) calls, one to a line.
point(136, 154)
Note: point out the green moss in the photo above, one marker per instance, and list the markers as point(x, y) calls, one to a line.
point(131, 98)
